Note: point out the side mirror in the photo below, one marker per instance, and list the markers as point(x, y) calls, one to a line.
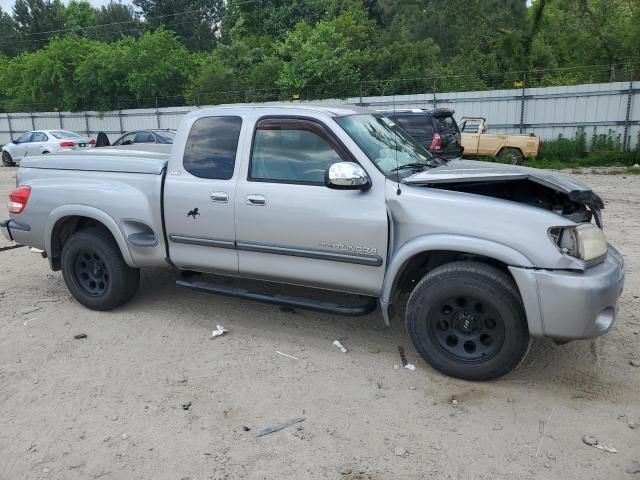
point(347, 176)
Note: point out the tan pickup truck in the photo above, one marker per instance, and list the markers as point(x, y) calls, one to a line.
point(510, 148)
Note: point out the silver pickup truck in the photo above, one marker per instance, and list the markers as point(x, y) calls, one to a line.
point(337, 199)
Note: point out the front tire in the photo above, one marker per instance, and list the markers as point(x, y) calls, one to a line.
point(95, 272)
point(7, 161)
point(467, 320)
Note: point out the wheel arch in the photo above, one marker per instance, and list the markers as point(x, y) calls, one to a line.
point(69, 219)
point(507, 147)
point(417, 257)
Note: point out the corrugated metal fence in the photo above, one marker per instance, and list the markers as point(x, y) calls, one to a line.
point(547, 112)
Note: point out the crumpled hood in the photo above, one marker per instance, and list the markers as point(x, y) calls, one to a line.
point(471, 171)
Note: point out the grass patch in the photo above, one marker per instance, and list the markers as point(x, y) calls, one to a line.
point(565, 153)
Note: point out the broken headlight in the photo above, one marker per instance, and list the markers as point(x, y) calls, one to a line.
point(585, 241)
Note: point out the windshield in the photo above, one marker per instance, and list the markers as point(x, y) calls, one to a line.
point(392, 150)
point(64, 134)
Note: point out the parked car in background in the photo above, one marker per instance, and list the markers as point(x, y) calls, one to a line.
point(164, 136)
point(436, 130)
point(333, 198)
point(41, 142)
point(509, 148)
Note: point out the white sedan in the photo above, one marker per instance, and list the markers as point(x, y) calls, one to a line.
point(41, 142)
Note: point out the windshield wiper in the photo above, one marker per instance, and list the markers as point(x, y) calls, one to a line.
point(440, 157)
point(421, 166)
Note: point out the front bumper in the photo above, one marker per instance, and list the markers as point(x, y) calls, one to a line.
point(567, 305)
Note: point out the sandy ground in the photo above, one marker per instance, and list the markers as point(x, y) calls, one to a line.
point(111, 406)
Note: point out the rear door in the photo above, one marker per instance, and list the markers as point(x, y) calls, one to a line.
point(199, 198)
point(37, 144)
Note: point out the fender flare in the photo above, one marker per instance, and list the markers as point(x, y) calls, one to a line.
point(446, 242)
point(89, 212)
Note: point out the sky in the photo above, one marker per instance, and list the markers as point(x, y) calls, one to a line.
point(7, 5)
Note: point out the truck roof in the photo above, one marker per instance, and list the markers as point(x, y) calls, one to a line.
point(329, 109)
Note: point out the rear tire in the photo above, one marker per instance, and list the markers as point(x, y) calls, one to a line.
point(7, 161)
point(467, 320)
point(512, 156)
point(95, 272)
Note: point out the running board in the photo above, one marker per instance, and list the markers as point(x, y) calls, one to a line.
point(305, 303)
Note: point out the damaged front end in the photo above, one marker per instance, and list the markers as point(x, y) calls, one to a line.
point(548, 190)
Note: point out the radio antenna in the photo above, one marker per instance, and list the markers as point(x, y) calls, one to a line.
point(395, 138)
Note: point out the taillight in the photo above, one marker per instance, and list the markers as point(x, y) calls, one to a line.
point(18, 199)
point(92, 142)
point(436, 143)
point(67, 143)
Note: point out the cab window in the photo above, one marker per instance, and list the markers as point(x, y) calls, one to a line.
point(292, 151)
point(39, 137)
point(211, 147)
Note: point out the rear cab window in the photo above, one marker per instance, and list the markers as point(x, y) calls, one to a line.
point(212, 146)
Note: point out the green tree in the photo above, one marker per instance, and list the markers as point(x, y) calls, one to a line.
point(273, 18)
point(115, 21)
point(161, 69)
point(38, 20)
point(80, 17)
point(195, 22)
point(102, 77)
point(328, 59)
point(44, 80)
point(11, 42)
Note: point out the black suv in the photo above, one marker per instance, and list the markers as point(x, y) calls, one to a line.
point(436, 130)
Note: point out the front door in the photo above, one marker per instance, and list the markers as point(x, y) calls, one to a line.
point(20, 146)
point(291, 228)
point(199, 198)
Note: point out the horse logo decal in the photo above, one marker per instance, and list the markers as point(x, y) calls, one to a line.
point(193, 213)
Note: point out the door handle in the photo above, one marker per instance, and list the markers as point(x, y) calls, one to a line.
point(257, 200)
point(220, 197)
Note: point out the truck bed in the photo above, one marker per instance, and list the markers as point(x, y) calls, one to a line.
point(120, 188)
point(103, 160)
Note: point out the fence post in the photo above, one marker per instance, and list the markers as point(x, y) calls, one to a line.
point(157, 114)
point(435, 100)
point(120, 118)
point(33, 121)
point(360, 94)
point(626, 144)
point(10, 129)
point(60, 120)
point(86, 122)
point(522, 101)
